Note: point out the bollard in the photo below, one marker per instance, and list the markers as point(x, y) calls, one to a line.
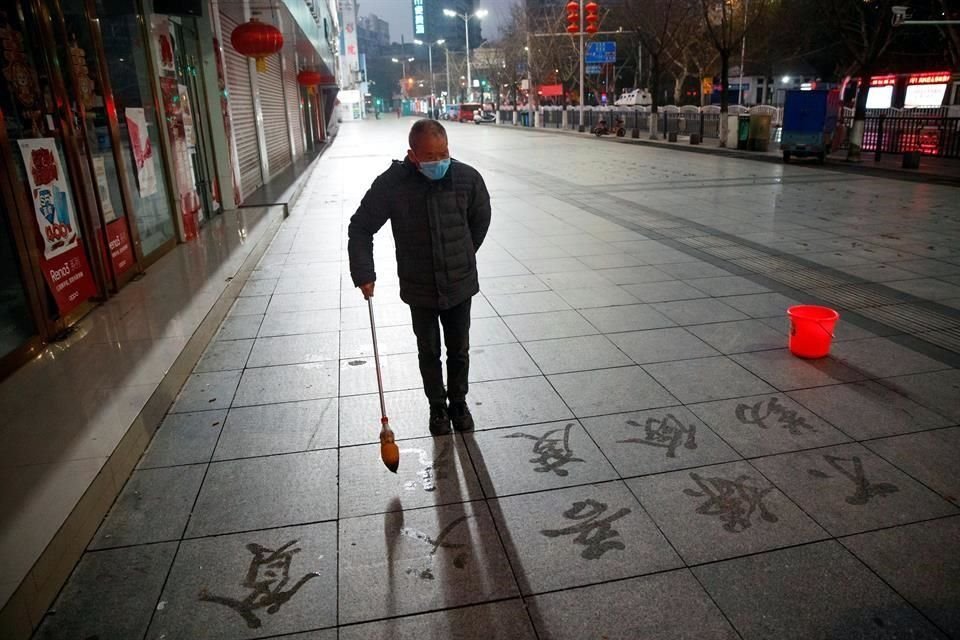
point(672, 136)
point(514, 116)
point(911, 160)
point(635, 132)
point(694, 138)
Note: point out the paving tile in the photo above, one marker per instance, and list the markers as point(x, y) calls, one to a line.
point(184, 438)
point(358, 343)
point(911, 559)
point(768, 424)
point(738, 337)
point(666, 606)
point(881, 358)
point(420, 560)
point(294, 322)
point(288, 383)
point(762, 305)
point(878, 272)
point(685, 312)
point(308, 347)
point(574, 280)
point(661, 345)
point(500, 362)
point(519, 303)
point(432, 472)
point(635, 275)
point(928, 267)
point(690, 270)
point(596, 296)
point(813, 591)
point(204, 391)
point(360, 416)
point(865, 410)
point(929, 456)
point(545, 326)
point(205, 593)
point(592, 393)
point(386, 315)
point(657, 440)
point(926, 288)
point(938, 391)
point(313, 283)
point(727, 286)
point(505, 403)
point(487, 331)
point(786, 371)
point(664, 291)
point(225, 355)
point(504, 268)
point(611, 260)
point(722, 511)
point(111, 594)
point(239, 327)
point(536, 457)
point(707, 379)
point(271, 491)
point(262, 287)
point(312, 301)
point(359, 376)
point(270, 429)
point(153, 507)
point(507, 619)
point(635, 317)
point(848, 489)
point(249, 306)
point(579, 535)
point(513, 284)
point(575, 354)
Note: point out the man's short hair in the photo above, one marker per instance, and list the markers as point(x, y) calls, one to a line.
point(426, 127)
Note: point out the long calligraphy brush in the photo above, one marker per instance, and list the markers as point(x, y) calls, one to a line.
point(389, 452)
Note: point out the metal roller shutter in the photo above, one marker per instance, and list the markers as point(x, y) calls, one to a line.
point(274, 109)
point(293, 101)
point(243, 118)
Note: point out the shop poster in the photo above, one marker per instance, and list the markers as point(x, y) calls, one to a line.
point(180, 155)
point(118, 242)
point(163, 41)
point(142, 151)
point(64, 263)
point(103, 187)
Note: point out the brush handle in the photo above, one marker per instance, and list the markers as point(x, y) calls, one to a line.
point(376, 360)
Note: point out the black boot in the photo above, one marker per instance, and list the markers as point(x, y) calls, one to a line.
point(439, 420)
point(460, 415)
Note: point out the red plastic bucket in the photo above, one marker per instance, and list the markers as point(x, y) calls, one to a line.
point(811, 330)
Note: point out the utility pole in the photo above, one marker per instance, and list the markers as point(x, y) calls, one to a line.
point(581, 127)
point(743, 50)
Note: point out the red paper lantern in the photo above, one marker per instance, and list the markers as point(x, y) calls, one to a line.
point(573, 7)
point(591, 28)
point(592, 7)
point(572, 28)
point(258, 40)
point(592, 18)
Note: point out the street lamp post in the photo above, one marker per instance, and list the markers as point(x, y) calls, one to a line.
point(478, 14)
point(430, 58)
point(403, 70)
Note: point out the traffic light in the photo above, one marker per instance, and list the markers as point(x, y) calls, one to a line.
point(592, 17)
point(573, 17)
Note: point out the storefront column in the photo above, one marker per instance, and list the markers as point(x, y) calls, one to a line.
point(208, 28)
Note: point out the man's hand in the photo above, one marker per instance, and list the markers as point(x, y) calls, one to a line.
point(367, 290)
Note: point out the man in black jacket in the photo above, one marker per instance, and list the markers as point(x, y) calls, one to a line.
point(439, 211)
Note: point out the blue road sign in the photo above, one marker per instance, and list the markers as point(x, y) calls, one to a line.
point(593, 69)
point(601, 52)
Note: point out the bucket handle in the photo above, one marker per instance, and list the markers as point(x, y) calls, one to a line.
point(820, 326)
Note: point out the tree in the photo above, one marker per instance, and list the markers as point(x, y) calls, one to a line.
point(657, 24)
point(727, 23)
point(865, 29)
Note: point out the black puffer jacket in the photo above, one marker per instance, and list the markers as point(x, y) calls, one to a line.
point(438, 225)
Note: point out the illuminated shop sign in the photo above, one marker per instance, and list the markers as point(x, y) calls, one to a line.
point(418, 23)
point(935, 77)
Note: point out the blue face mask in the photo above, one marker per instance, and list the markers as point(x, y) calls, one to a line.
point(435, 170)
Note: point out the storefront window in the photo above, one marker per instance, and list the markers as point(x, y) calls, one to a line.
point(126, 59)
point(16, 323)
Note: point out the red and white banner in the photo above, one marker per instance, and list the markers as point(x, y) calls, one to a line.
point(142, 151)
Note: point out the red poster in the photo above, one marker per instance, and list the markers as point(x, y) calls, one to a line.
point(121, 254)
point(69, 278)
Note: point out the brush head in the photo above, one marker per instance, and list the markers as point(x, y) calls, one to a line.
point(389, 451)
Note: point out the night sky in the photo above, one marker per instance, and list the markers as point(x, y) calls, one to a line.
point(399, 13)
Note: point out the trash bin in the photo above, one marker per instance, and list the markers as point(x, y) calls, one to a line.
point(759, 135)
point(743, 132)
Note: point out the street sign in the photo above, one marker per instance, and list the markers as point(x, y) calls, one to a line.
point(601, 52)
point(593, 69)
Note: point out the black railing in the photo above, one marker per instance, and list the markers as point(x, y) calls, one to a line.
point(930, 136)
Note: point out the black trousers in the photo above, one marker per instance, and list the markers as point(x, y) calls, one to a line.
point(456, 337)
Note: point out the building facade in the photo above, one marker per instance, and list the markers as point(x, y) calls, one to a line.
point(373, 35)
point(127, 126)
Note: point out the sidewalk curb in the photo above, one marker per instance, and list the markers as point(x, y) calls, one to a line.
point(838, 166)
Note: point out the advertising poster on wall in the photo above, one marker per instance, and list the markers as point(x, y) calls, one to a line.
point(180, 156)
point(103, 187)
point(142, 151)
point(163, 41)
point(118, 242)
point(63, 262)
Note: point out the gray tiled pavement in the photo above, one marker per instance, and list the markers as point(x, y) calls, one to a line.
point(649, 460)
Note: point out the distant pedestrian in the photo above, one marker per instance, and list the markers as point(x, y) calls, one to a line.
point(398, 113)
point(439, 213)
